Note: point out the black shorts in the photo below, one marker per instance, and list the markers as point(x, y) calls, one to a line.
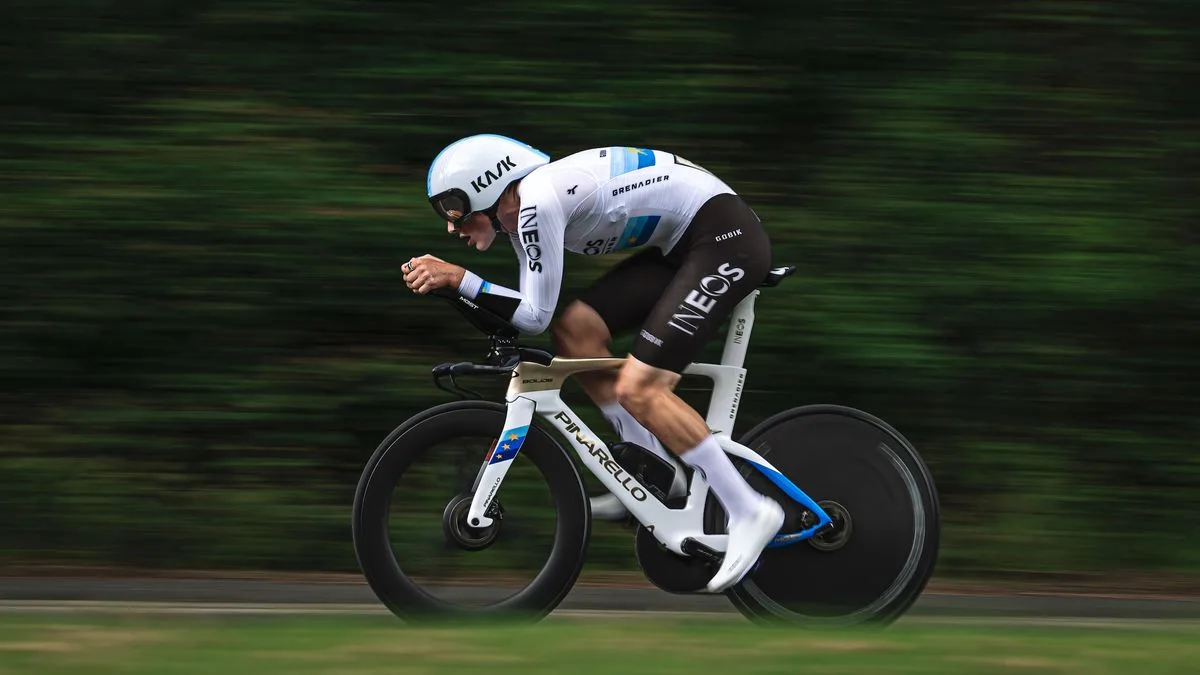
point(678, 299)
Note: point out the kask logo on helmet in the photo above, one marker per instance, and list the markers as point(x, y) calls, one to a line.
point(487, 178)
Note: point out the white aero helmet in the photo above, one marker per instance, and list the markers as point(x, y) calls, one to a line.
point(469, 175)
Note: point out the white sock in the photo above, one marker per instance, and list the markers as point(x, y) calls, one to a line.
point(632, 431)
point(736, 495)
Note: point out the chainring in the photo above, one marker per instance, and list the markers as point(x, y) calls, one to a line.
point(666, 569)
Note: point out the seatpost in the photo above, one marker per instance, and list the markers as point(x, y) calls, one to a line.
point(737, 339)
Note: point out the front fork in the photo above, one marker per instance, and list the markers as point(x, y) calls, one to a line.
point(516, 426)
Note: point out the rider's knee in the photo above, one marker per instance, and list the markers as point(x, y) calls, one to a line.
point(579, 331)
point(638, 394)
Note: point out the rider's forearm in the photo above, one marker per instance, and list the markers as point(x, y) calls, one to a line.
point(505, 302)
point(470, 285)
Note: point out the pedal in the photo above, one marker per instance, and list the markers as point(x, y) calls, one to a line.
point(697, 550)
point(707, 555)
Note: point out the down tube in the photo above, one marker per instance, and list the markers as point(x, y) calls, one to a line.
point(508, 446)
point(597, 458)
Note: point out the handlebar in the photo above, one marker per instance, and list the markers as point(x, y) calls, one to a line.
point(453, 370)
point(503, 355)
point(468, 368)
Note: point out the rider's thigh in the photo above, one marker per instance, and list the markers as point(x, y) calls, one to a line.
point(625, 294)
point(580, 331)
point(727, 254)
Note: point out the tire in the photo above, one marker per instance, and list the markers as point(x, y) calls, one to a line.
point(888, 552)
point(399, 592)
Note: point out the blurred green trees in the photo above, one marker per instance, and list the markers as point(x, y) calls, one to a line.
point(204, 206)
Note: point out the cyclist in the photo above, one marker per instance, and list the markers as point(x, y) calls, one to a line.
point(703, 250)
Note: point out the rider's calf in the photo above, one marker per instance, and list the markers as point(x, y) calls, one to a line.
point(648, 394)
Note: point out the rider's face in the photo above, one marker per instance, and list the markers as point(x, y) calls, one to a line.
point(477, 230)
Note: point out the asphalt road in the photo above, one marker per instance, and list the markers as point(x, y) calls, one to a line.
point(47, 593)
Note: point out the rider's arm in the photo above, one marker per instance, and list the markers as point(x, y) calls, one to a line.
point(538, 243)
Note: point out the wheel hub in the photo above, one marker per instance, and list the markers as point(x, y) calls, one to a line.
point(466, 537)
point(837, 533)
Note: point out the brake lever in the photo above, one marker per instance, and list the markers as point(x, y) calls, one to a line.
point(463, 390)
point(437, 382)
point(442, 370)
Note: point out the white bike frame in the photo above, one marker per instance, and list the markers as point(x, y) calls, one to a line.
point(535, 389)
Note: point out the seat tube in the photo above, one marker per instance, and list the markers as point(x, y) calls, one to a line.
point(516, 426)
point(738, 337)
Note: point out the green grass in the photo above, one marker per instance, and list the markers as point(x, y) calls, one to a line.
point(366, 645)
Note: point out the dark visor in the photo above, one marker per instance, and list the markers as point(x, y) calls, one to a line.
point(453, 205)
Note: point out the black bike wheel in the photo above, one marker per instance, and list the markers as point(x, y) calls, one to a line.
point(870, 569)
point(412, 595)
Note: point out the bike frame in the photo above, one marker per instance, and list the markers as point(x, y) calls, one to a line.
point(535, 389)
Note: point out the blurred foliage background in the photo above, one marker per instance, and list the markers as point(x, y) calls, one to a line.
point(204, 207)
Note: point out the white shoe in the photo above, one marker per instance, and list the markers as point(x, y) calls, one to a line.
point(747, 539)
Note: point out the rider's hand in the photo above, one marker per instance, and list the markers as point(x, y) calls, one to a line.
point(428, 273)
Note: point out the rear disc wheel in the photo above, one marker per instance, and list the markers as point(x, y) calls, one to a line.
point(878, 556)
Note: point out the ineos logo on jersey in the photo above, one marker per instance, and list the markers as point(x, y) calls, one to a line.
point(700, 302)
point(488, 177)
point(529, 237)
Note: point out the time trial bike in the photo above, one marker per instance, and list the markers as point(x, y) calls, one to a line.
point(467, 478)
